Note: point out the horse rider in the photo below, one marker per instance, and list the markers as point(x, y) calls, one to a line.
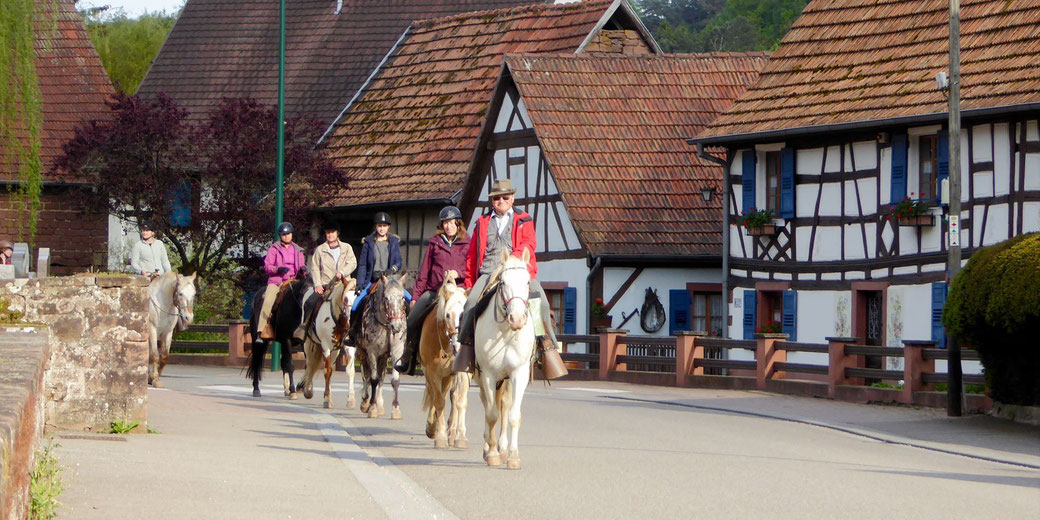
point(148, 257)
point(445, 254)
point(503, 229)
point(283, 261)
point(6, 252)
point(380, 253)
point(330, 261)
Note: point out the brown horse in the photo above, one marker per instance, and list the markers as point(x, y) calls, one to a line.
point(437, 347)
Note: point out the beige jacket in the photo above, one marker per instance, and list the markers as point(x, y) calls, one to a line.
point(323, 265)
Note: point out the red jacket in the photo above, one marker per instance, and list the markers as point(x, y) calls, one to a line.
point(523, 238)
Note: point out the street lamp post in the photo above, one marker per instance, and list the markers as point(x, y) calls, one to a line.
point(954, 394)
point(276, 351)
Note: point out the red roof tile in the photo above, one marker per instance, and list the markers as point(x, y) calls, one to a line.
point(229, 48)
point(73, 85)
point(412, 134)
point(612, 130)
point(847, 61)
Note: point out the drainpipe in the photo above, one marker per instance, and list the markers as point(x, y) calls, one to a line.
point(725, 231)
point(588, 294)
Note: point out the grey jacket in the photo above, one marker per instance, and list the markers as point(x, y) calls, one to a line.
point(150, 258)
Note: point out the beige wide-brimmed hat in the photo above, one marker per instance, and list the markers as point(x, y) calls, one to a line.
point(502, 187)
point(4, 244)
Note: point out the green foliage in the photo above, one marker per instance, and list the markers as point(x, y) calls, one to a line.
point(121, 426)
point(756, 218)
point(127, 46)
point(994, 306)
point(718, 25)
point(968, 389)
point(219, 298)
point(882, 384)
point(8, 316)
point(45, 485)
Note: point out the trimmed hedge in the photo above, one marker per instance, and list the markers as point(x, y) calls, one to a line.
point(994, 306)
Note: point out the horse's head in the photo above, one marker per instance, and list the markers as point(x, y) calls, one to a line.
point(450, 301)
point(515, 289)
point(184, 300)
point(393, 300)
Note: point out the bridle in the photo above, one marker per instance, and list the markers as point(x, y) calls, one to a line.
point(506, 299)
point(158, 308)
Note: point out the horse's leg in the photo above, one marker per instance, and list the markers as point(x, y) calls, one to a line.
point(311, 353)
point(431, 410)
point(395, 383)
point(164, 356)
point(519, 378)
point(153, 356)
point(440, 386)
point(329, 365)
point(350, 353)
point(503, 399)
point(460, 402)
point(381, 376)
point(366, 397)
point(287, 371)
point(487, 395)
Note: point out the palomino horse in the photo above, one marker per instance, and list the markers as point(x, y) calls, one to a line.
point(437, 347)
point(325, 337)
point(504, 349)
point(172, 303)
point(284, 321)
point(382, 339)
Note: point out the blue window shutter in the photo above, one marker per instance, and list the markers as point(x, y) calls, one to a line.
point(938, 302)
point(899, 152)
point(570, 310)
point(750, 306)
point(790, 316)
point(747, 180)
point(787, 183)
point(679, 308)
point(943, 156)
point(180, 202)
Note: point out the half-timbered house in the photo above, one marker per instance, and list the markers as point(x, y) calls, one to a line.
point(848, 120)
point(595, 147)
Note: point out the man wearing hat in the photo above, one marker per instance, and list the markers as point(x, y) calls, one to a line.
point(6, 252)
point(148, 257)
point(330, 261)
point(503, 229)
point(284, 259)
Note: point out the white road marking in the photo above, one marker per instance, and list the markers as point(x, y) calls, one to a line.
point(246, 389)
point(595, 390)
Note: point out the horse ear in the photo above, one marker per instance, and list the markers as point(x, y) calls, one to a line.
point(403, 278)
point(527, 256)
point(505, 256)
point(192, 277)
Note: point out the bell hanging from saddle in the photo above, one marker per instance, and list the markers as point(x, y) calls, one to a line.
point(551, 362)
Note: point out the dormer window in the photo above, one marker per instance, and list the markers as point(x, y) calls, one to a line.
point(928, 166)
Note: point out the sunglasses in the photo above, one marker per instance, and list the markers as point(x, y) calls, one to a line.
point(500, 197)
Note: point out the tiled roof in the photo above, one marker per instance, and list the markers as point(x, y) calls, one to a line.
point(412, 134)
point(613, 130)
point(221, 48)
point(73, 85)
point(849, 61)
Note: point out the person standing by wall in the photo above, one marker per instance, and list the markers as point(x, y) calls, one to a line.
point(148, 257)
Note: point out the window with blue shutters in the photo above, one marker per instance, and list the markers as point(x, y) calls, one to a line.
point(570, 310)
point(180, 205)
point(747, 181)
point(938, 302)
point(789, 322)
point(787, 183)
point(678, 310)
point(749, 314)
point(899, 159)
point(943, 170)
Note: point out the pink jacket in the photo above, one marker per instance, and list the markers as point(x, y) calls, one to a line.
point(281, 256)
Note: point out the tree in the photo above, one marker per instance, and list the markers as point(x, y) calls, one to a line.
point(127, 46)
point(150, 160)
point(718, 25)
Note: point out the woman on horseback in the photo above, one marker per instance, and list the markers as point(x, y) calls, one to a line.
point(284, 259)
point(445, 254)
point(380, 252)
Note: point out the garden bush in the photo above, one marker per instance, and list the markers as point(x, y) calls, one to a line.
point(994, 306)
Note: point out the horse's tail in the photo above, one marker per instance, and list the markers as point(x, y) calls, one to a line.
point(427, 399)
point(256, 360)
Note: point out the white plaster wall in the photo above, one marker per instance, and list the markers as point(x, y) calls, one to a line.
point(659, 278)
point(1031, 217)
point(868, 195)
point(865, 155)
point(573, 273)
point(503, 113)
point(830, 205)
point(805, 200)
point(828, 243)
point(808, 161)
point(996, 224)
point(833, 159)
point(982, 146)
point(121, 239)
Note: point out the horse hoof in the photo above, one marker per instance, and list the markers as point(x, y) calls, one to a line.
point(326, 404)
point(396, 414)
point(440, 444)
point(288, 392)
point(351, 404)
point(157, 383)
point(431, 431)
point(373, 413)
point(309, 394)
point(461, 443)
point(256, 392)
point(494, 460)
point(365, 407)
point(513, 464)
point(293, 396)
point(380, 412)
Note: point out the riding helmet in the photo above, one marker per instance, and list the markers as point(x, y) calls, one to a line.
point(284, 228)
point(146, 225)
point(330, 225)
point(382, 218)
point(450, 213)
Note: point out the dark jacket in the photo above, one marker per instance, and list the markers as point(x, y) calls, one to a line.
point(367, 260)
point(441, 257)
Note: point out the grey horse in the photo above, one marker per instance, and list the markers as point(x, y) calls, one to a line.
point(382, 340)
point(171, 306)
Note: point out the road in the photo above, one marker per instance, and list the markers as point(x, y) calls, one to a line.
point(589, 450)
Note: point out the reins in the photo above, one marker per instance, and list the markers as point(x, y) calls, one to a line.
point(507, 300)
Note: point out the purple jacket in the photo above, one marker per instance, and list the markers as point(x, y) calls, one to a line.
point(279, 256)
point(439, 258)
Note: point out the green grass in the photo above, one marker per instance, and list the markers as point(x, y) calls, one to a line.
point(882, 384)
point(45, 485)
point(199, 336)
point(121, 426)
point(968, 389)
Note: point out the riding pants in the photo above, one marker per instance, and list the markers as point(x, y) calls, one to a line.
point(466, 322)
point(364, 292)
point(270, 295)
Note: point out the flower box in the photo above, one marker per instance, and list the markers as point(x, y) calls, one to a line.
point(602, 322)
point(917, 220)
point(765, 229)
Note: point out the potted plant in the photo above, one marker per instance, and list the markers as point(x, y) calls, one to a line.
point(600, 318)
point(912, 212)
point(773, 327)
point(758, 222)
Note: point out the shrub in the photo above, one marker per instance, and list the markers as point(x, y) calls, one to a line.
point(994, 306)
point(45, 485)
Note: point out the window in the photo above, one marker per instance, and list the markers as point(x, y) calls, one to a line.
point(707, 312)
point(772, 309)
point(555, 298)
point(927, 147)
point(773, 181)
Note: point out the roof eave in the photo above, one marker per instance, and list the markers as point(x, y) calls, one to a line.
point(648, 260)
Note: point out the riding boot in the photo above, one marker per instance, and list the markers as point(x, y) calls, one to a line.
point(300, 334)
point(355, 329)
point(410, 345)
point(464, 360)
point(268, 332)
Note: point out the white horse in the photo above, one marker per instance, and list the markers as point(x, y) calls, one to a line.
point(325, 336)
point(504, 349)
point(437, 347)
point(171, 306)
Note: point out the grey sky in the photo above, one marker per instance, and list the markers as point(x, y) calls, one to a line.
point(134, 8)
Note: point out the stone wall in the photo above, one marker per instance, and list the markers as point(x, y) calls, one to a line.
point(77, 238)
point(23, 359)
point(98, 364)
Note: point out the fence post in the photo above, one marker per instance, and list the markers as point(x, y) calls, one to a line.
point(838, 362)
point(766, 357)
point(914, 365)
point(608, 349)
point(685, 353)
point(238, 338)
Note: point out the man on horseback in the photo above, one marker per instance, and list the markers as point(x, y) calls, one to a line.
point(445, 253)
point(380, 252)
point(283, 261)
point(504, 229)
point(329, 263)
point(148, 257)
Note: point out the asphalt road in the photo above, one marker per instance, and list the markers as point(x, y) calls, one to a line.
point(589, 450)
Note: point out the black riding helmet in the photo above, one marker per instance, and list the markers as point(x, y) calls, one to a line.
point(450, 213)
point(284, 228)
point(330, 226)
point(382, 218)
